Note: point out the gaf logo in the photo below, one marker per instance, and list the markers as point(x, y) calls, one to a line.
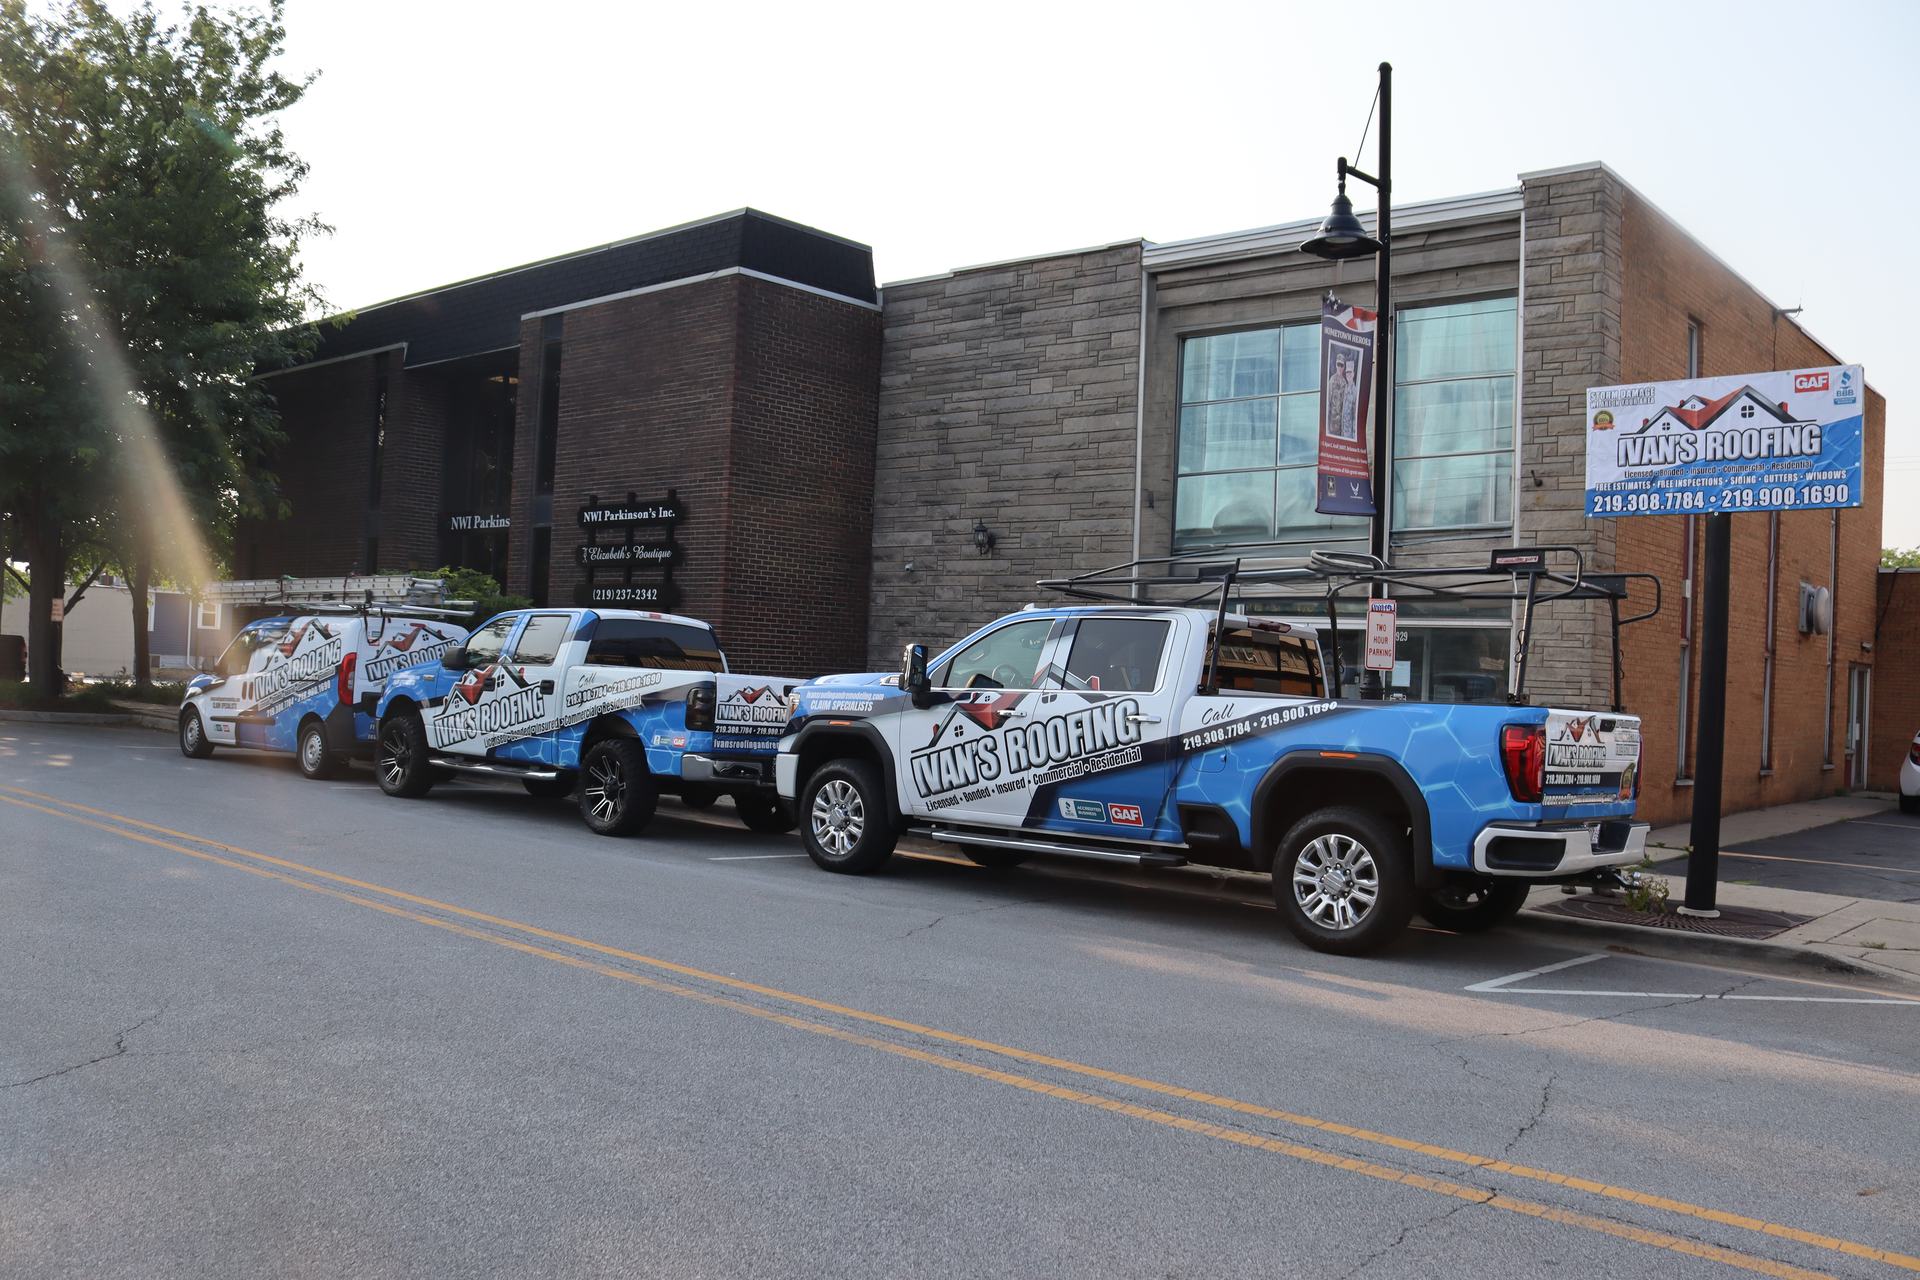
point(1127, 815)
point(1809, 382)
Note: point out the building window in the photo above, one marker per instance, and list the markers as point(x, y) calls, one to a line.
point(1453, 416)
point(210, 617)
point(1693, 348)
point(376, 463)
point(1249, 424)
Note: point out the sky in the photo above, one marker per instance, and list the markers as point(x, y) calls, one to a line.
point(449, 140)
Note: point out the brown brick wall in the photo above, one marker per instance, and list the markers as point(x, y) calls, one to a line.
point(327, 414)
point(1669, 279)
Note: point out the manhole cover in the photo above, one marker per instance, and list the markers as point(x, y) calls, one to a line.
point(1732, 922)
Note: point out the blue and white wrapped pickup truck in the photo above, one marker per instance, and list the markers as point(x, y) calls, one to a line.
point(1110, 733)
point(620, 705)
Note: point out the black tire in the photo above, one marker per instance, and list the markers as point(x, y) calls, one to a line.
point(1474, 906)
point(193, 736)
point(987, 856)
point(400, 757)
point(1343, 880)
point(698, 795)
point(764, 814)
point(316, 760)
point(550, 788)
point(1909, 804)
point(617, 793)
point(843, 818)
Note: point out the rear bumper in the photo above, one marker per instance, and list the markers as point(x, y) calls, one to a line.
point(1538, 850)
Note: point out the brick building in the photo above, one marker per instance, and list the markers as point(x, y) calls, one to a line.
point(733, 361)
point(843, 453)
point(1092, 406)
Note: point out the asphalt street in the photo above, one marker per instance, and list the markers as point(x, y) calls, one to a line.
point(1876, 857)
point(252, 1025)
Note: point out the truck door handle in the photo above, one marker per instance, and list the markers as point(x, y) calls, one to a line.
point(546, 686)
point(1143, 719)
point(1008, 715)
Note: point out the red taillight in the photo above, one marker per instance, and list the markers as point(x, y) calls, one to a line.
point(1913, 752)
point(344, 684)
point(1523, 752)
point(700, 708)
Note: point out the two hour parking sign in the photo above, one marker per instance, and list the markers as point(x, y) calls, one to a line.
point(1752, 442)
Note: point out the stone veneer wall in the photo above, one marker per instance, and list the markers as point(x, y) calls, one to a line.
point(1007, 395)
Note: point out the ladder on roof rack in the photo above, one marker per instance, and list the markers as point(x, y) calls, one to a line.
point(344, 594)
point(1198, 576)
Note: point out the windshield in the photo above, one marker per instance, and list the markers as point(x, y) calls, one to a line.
point(261, 635)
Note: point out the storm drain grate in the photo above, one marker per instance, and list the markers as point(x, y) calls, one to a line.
point(1732, 922)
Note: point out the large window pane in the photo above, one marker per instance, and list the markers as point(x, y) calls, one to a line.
point(1299, 430)
point(1300, 357)
point(1229, 366)
point(1222, 437)
point(1459, 340)
point(1237, 507)
point(1454, 417)
point(1444, 493)
point(1297, 520)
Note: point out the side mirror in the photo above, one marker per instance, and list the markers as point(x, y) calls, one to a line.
point(455, 659)
point(913, 673)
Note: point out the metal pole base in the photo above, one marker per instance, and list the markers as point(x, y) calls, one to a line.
point(1689, 911)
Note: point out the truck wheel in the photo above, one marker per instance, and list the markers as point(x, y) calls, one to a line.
point(1473, 907)
point(697, 795)
point(763, 814)
point(1343, 881)
point(193, 736)
point(315, 760)
point(400, 758)
point(551, 788)
point(617, 794)
point(843, 818)
point(987, 856)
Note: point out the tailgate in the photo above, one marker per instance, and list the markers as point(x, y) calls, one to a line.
point(750, 713)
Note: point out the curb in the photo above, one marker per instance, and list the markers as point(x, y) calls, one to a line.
point(65, 717)
point(1668, 945)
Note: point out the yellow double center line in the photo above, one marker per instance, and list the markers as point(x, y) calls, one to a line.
point(1476, 1195)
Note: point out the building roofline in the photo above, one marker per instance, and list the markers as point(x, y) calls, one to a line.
point(603, 248)
point(351, 355)
point(687, 280)
point(1014, 262)
point(1285, 237)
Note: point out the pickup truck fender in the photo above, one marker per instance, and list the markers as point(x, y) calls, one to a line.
point(1293, 765)
point(818, 743)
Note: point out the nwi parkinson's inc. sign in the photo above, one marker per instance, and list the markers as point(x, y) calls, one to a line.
point(1755, 441)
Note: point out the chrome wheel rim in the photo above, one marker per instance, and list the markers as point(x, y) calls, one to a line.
point(313, 752)
point(606, 788)
point(839, 817)
point(1335, 881)
point(395, 752)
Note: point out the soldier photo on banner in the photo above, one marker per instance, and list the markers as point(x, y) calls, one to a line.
point(1345, 480)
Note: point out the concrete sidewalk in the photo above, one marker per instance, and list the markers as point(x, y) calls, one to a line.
point(1781, 820)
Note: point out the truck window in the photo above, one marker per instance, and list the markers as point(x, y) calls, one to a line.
point(1259, 660)
point(641, 642)
point(484, 645)
point(1112, 654)
point(540, 640)
point(238, 656)
point(1005, 659)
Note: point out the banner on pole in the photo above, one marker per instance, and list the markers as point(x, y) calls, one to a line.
point(1346, 392)
point(1751, 442)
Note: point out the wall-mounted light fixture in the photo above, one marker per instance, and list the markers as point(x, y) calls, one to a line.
point(909, 566)
point(983, 538)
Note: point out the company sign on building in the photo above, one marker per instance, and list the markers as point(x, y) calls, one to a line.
point(1757, 441)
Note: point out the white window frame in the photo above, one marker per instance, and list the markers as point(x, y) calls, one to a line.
point(200, 615)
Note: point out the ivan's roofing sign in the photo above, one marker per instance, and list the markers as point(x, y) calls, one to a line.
point(1757, 441)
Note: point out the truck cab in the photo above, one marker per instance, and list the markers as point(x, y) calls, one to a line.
point(618, 705)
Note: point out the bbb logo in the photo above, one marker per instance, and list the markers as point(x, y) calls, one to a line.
point(1809, 382)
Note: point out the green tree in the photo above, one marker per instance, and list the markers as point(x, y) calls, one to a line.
point(1900, 558)
point(487, 597)
point(145, 277)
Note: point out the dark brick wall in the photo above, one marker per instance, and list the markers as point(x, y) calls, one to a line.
point(1896, 673)
point(327, 414)
point(410, 474)
point(1668, 279)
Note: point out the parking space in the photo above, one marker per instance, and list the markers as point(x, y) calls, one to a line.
point(1876, 857)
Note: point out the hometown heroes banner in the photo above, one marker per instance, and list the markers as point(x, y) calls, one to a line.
point(1346, 390)
point(1751, 442)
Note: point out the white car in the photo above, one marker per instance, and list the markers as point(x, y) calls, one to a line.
point(1910, 778)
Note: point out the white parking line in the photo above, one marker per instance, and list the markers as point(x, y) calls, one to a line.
point(1498, 986)
point(754, 857)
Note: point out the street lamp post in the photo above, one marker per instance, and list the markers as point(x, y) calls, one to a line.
point(1341, 236)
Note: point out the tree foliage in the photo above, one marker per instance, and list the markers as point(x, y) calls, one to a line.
point(1900, 557)
point(145, 277)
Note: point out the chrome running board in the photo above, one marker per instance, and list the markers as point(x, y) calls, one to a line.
point(1095, 852)
point(499, 769)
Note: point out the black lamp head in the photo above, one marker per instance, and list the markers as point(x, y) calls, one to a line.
point(983, 538)
point(1341, 235)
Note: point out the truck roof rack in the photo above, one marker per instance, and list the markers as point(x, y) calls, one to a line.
point(354, 593)
point(1552, 573)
